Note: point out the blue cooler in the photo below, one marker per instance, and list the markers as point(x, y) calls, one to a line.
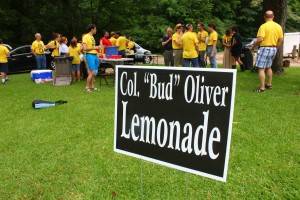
point(111, 51)
point(41, 74)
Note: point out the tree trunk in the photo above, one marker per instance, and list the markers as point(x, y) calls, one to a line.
point(279, 8)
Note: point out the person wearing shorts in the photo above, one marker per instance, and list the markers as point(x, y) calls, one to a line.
point(89, 46)
point(269, 38)
point(74, 51)
point(4, 53)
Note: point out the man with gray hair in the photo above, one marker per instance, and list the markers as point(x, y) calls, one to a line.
point(168, 50)
point(38, 50)
point(269, 38)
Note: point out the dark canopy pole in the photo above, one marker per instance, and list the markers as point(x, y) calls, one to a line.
point(279, 7)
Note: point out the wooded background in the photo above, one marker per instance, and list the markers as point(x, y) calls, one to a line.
point(145, 20)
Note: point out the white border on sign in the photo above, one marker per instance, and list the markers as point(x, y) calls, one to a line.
point(233, 71)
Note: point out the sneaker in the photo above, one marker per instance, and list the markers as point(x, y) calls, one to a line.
point(95, 89)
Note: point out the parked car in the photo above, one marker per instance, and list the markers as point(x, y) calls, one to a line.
point(8, 46)
point(21, 59)
point(141, 54)
point(249, 42)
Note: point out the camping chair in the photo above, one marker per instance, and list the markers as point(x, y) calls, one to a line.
point(106, 70)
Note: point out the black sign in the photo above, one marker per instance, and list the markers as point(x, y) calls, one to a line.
point(177, 117)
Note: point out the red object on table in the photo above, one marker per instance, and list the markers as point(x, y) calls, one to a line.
point(114, 57)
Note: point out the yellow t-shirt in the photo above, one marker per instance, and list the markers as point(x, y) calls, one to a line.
point(3, 53)
point(38, 47)
point(227, 39)
point(213, 36)
point(271, 32)
point(188, 41)
point(75, 52)
point(113, 41)
point(90, 42)
point(55, 52)
point(203, 35)
point(175, 37)
point(121, 43)
point(131, 45)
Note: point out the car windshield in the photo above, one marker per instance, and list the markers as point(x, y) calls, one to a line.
point(22, 50)
point(248, 41)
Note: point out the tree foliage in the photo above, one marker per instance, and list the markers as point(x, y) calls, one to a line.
point(145, 20)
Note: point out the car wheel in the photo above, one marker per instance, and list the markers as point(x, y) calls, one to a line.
point(52, 65)
point(147, 59)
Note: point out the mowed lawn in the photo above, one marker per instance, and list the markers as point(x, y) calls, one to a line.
point(66, 152)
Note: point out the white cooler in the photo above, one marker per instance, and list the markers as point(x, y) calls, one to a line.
point(44, 75)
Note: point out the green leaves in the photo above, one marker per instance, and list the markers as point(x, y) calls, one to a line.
point(146, 20)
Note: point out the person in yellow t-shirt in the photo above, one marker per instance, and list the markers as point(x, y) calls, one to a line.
point(121, 43)
point(202, 37)
point(74, 51)
point(113, 39)
point(38, 50)
point(130, 43)
point(54, 45)
point(190, 45)
point(212, 45)
point(176, 45)
point(89, 46)
point(226, 41)
point(270, 38)
point(4, 53)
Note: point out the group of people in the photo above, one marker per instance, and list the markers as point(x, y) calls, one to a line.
point(232, 42)
point(58, 47)
point(189, 48)
point(116, 39)
point(180, 49)
point(91, 51)
point(87, 51)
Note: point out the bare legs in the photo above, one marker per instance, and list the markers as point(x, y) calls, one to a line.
point(78, 75)
point(270, 76)
point(262, 76)
point(3, 75)
point(90, 80)
point(74, 75)
point(238, 60)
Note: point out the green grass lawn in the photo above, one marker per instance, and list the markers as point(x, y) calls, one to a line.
point(66, 152)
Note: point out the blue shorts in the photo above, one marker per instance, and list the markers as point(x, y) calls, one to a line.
point(265, 57)
point(92, 61)
point(75, 67)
